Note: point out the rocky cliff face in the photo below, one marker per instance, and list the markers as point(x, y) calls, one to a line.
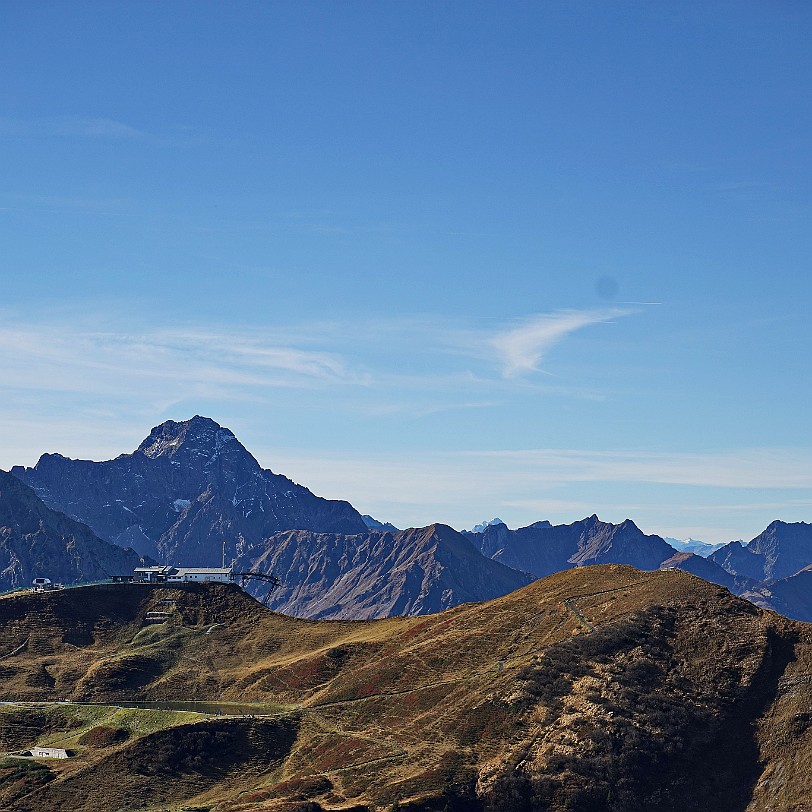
point(187, 490)
point(376, 574)
point(37, 542)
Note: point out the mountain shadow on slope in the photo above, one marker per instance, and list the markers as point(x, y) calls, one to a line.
point(177, 762)
point(655, 750)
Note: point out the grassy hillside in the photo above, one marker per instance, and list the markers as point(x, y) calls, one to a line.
point(595, 688)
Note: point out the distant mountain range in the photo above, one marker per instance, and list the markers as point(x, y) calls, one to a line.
point(779, 552)
point(542, 549)
point(770, 570)
point(693, 546)
point(191, 493)
point(701, 548)
point(374, 524)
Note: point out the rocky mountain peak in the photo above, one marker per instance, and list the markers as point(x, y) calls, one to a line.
point(782, 549)
point(200, 434)
point(778, 525)
point(376, 574)
point(189, 489)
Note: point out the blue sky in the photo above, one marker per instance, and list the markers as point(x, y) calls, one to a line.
point(446, 260)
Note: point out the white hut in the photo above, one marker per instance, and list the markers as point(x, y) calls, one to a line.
point(48, 752)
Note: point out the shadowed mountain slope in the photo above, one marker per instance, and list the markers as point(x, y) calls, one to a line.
point(697, 565)
point(790, 596)
point(590, 689)
point(377, 574)
point(37, 542)
point(189, 488)
point(778, 552)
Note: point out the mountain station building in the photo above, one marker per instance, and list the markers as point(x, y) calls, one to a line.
point(169, 574)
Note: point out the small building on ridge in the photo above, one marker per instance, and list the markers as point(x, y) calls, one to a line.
point(168, 574)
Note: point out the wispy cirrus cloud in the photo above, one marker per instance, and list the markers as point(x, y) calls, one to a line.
point(65, 366)
point(64, 376)
point(71, 126)
point(507, 475)
point(756, 468)
point(161, 361)
point(521, 348)
point(407, 366)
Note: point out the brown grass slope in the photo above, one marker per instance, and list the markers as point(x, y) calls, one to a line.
point(599, 688)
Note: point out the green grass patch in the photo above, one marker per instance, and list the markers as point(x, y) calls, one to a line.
point(68, 723)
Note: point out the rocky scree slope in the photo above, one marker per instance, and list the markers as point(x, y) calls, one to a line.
point(188, 488)
point(37, 542)
point(589, 689)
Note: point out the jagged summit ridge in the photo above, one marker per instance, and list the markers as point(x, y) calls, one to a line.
point(199, 443)
point(542, 548)
point(779, 551)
